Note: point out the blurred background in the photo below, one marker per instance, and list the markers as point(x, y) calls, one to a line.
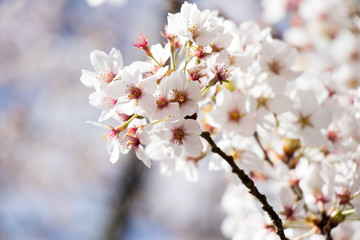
point(56, 181)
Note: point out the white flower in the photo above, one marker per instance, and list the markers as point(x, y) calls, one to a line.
point(165, 106)
point(106, 99)
point(277, 59)
point(133, 138)
point(198, 26)
point(136, 94)
point(186, 94)
point(107, 68)
point(183, 134)
point(230, 114)
point(112, 141)
point(306, 120)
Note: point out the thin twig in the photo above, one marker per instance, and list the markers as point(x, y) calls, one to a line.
point(266, 156)
point(249, 183)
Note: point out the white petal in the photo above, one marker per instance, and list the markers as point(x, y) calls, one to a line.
point(88, 78)
point(193, 145)
point(98, 60)
point(140, 153)
point(115, 152)
point(247, 126)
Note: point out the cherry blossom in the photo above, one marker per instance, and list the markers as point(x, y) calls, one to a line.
point(283, 112)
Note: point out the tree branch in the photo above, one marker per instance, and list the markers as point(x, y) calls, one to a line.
point(249, 183)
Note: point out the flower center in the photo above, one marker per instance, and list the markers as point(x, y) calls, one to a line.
point(178, 135)
point(193, 28)
point(130, 138)
point(109, 136)
point(222, 73)
point(332, 136)
point(234, 115)
point(106, 77)
point(133, 91)
point(110, 101)
point(161, 102)
point(305, 121)
point(275, 66)
point(344, 197)
point(179, 96)
point(262, 102)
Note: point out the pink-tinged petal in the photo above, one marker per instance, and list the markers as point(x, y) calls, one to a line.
point(290, 57)
point(189, 108)
point(242, 61)
point(149, 85)
point(308, 102)
point(222, 96)
point(193, 145)
point(89, 78)
point(177, 81)
point(193, 91)
point(114, 89)
point(217, 118)
point(280, 104)
point(156, 149)
point(312, 137)
point(239, 101)
point(191, 126)
point(172, 109)
point(140, 153)
point(175, 150)
point(321, 118)
point(126, 106)
point(146, 105)
point(98, 60)
point(247, 126)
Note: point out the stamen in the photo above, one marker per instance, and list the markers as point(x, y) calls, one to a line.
point(133, 91)
point(178, 135)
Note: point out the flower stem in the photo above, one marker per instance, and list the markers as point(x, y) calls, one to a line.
point(179, 56)
point(187, 56)
point(249, 183)
point(125, 124)
point(156, 61)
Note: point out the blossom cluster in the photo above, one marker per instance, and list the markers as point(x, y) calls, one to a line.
point(292, 126)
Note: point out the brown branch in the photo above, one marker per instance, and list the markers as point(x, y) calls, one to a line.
point(266, 156)
point(249, 183)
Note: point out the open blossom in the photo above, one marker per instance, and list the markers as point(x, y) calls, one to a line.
point(306, 121)
point(266, 104)
point(136, 93)
point(134, 138)
point(277, 60)
point(182, 134)
point(198, 26)
point(165, 105)
point(106, 99)
point(107, 68)
point(186, 94)
point(112, 141)
point(231, 114)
